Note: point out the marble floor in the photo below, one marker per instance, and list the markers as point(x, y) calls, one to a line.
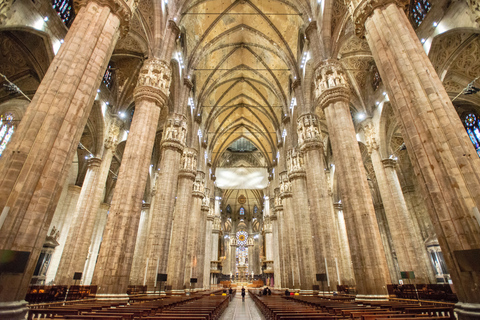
point(242, 310)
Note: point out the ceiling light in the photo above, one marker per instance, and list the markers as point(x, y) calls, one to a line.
point(423, 40)
point(360, 116)
point(435, 23)
point(45, 19)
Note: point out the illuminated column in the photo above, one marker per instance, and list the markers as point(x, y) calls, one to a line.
point(62, 224)
point(86, 212)
point(289, 231)
point(303, 221)
point(368, 257)
point(177, 253)
point(411, 254)
point(321, 206)
point(283, 250)
point(100, 223)
point(137, 274)
point(112, 273)
point(347, 268)
point(37, 160)
point(443, 158)
point(160, 228)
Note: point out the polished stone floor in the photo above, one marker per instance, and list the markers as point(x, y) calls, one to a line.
point(242, 310)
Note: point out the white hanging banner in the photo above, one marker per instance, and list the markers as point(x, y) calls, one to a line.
point(241, 178)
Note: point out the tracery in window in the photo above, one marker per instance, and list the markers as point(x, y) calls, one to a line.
point(6, 130)
point(419, 10)
point(255, 209)
point(65, 11)
point(229, 209)
point(108, 77)
point(472, 123)
point(242, 250)
point(242, 211)
point(377, 80)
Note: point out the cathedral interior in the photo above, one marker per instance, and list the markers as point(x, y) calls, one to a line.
point(175, 146)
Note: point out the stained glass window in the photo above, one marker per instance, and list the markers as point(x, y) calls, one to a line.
point(107, 77)
point(472, 123)
point(255, 209)
point(242, 211)
point(242, 237)
point(229, 209)
point(6, 130)
point(376, 81)
point(419, 10)
point(64, 10)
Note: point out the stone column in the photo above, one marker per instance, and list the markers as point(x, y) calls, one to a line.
point(233, 253)
point(368, 257)
point(289, 229)
point(100, 223)
point(208, 249)
point(411, 255)
point(346, 263)
point(268, 239)
point(194, 221)
point(137, 274)
point(438, 146)
point(80, 235)
point(276, 252)
point(183, 207)
point(62, 225)
point(199, 252)
point(37, 159)
point(325, 242)
point(112, 273)
point(285, 275)
point(160, 229)
point(302, 219)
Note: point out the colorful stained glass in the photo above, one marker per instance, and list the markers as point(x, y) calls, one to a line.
point(242, 237)
point(65, 11)
point(470, 119)
point(255, 209)
point(6, 130)
point(419, 10)
point(472, 123)
point(242, 211)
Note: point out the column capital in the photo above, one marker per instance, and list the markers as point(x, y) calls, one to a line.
point(295, 164)
point(120, 8)
point(308, 131)
point(94, 162)
point(154, 82)
point(365, 8)
point(389, 163)
point(273, 216)
point(188, 166)
point(175, 132)
point(331, 83)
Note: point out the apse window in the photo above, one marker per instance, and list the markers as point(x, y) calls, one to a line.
point(472, 124)
point(7, 128)
point(419, 11)
point(242, 211)
point(65, 11)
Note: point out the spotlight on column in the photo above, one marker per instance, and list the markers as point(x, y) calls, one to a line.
point(122, 115)
point(361, 116)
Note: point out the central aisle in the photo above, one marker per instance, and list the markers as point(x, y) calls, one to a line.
point(239, 310)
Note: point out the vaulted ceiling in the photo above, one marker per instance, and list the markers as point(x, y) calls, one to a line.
point(241, 55)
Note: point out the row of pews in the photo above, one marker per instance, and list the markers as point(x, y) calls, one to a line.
point(195, 307)
point(279, 307)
